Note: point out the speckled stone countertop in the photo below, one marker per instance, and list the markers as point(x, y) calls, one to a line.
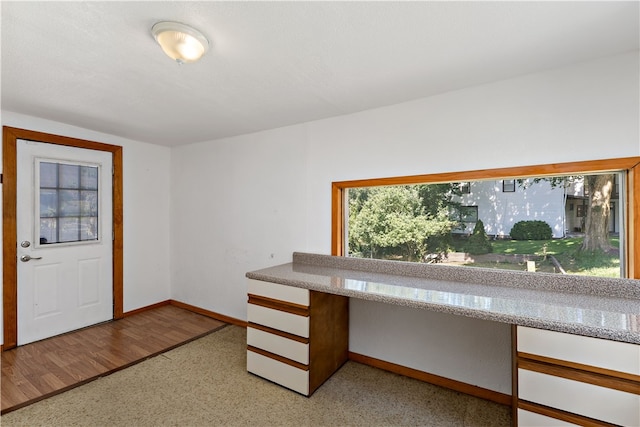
point(582, 305)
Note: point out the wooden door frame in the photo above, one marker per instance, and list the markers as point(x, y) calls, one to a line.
point(10, 137)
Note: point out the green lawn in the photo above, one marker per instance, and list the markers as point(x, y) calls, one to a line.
point(564, 250)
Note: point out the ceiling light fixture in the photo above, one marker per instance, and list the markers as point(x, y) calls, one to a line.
point(180, 42)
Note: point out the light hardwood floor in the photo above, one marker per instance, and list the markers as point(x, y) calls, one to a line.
point(38, 370)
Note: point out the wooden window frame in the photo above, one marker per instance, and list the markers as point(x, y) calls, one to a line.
point(10, 137)
point(630, 165)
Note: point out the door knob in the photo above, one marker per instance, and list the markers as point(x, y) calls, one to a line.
point(27, 258)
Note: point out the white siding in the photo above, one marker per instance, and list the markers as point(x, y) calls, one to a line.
point(499, 210)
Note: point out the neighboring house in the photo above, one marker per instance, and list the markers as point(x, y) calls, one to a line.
point(502, 203)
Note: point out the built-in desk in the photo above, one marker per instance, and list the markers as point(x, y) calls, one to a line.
point(574, 335)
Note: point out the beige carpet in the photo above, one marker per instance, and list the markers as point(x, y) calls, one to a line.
point(205, 383)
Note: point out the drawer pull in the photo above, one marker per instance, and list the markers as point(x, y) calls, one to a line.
point(578, 366)
point(620, 384)
point(278, 333)
point(278, 358)
point(287, 307)
point(562, 416)
point(280, 373)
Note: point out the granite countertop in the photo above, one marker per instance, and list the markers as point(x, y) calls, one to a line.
point(596, 307)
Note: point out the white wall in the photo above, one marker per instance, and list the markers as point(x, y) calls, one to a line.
point(145, 208)
point(236, 205)
point(239, 204)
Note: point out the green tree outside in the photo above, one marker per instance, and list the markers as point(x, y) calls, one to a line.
point(399, 222)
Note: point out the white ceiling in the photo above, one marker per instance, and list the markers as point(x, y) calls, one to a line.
point(272, 64)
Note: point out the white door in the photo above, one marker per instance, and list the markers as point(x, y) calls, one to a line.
point(64, 228)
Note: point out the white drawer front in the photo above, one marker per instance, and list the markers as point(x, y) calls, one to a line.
point(287, 322)
point(284, 347)
point(618, 356)
point(613, 406)
point(279, 292)
point(531, 419)
point(278, 372)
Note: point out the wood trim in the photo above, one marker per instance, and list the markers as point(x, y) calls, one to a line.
point(10, 136)
point(629, 164)
point(562, 415)
point(579, 366)
point(328, 336)
point(633, 213)
point(472, 390)
point(146, 308)
point(212, 314)
point(337, 215)
point(279, 333)
point(9, 239)
point(50, 138)
point(118, 235)
point(278, 358)
point(274, 304)
point(584, 167)
point(600, 380)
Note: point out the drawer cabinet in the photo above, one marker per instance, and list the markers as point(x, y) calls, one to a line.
point(277, 319)
point(278, 292)
point(297, 350)
point(284, 374)
point(565, 379)
point(612, 355)
point(533, 419)
point(295, 337)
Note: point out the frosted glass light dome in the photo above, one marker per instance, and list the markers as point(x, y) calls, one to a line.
point(180, 42)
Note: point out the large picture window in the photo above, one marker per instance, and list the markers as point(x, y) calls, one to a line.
point(410, 218)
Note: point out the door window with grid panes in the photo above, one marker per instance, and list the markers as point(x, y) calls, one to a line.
point(68, 202)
